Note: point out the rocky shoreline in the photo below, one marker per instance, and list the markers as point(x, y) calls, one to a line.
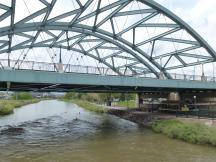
point(142, 118)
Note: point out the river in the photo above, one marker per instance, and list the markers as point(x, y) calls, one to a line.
point(56, 131)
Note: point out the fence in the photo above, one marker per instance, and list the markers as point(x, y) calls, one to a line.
point(205, 110)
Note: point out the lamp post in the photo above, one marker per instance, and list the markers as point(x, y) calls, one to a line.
point(195, 101)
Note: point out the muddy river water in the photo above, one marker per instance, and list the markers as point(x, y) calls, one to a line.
point(56, 131)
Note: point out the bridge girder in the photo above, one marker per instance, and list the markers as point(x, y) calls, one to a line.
point(113, 36)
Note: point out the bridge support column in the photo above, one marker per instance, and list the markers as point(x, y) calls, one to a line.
point(174, 96)
point(109, 100)
point(161, 75)
point(139, 100)
point(60, 68)
point(203, 78)
point(8, 85)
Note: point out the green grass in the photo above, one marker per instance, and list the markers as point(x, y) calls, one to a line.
point(189, 132)
point(7, 106)
point(88, 106)
point(128, 104)
point(6, 109)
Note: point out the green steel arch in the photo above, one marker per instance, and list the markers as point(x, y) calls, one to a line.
point(134, 41)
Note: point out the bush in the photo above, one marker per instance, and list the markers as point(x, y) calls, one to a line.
point(129, 104)
point(69, 95)
point(101, 97)
point(6, 109)
point(22, 96)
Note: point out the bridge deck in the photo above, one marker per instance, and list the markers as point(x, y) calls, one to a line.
point(30, 80)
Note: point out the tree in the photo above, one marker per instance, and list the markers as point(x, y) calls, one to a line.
point(69, 95)
point(22, 96)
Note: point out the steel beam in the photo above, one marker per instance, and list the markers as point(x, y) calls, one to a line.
point(183, 24)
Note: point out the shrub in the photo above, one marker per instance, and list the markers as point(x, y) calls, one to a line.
point(128, 104)
point(6, 109)
point(23, 96)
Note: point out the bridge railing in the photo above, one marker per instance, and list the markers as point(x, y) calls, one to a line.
point(193, 77)
point(55, 67)
point(68, 68)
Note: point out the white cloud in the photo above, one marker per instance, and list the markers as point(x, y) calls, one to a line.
point(203, 8)
point(200, 14)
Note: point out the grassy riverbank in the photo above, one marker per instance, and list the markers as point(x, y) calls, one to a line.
point(128, 104)
point(190, 132)
point(7, 106)
point(88, 106)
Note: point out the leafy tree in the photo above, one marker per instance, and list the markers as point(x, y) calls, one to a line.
point(22, 96)
point(69, 95)
point(99, 97)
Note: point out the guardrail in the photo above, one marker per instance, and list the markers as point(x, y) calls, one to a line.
point(193, 77)
point(68, 68)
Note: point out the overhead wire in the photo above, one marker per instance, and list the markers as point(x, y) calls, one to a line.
point(194, 50)
point(148, 34)
point(33, 33)
point(127, 54)
point(52, 57)
point(175, 48)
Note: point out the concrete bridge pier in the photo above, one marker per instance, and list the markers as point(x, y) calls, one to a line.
point(109, 99)
point(174, 96)
point(139, 100)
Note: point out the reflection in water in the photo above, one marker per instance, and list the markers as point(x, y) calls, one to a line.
point(55, 131)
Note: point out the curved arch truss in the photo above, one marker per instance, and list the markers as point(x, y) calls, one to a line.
point(138, 37)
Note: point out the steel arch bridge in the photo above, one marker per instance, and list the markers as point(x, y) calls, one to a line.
point(138, 38)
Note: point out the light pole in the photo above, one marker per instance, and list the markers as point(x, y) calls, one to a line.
point(195, 102)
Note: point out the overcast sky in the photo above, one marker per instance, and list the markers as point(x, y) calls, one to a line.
point(200, 14)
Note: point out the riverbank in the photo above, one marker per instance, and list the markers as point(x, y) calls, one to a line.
point(142, 118)
point(194, 131)
point(7, 106)
point(88, 106)
point(127, 104)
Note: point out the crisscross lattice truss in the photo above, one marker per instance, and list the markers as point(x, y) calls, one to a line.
point(138, 37)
